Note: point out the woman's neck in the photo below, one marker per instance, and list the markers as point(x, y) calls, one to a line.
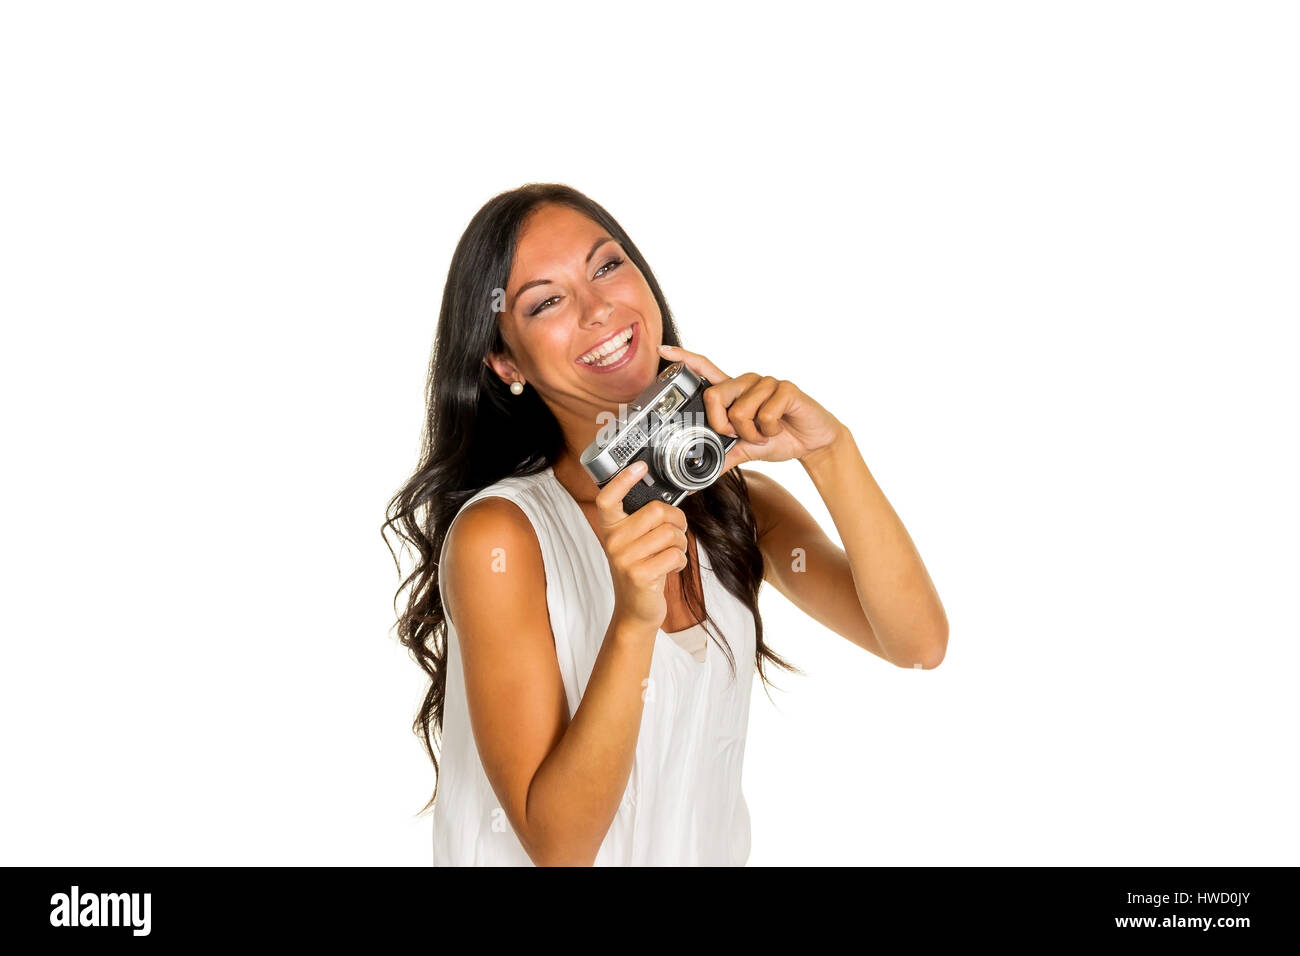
point(570, 473)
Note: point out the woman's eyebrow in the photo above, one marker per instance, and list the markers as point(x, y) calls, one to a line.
point(528, 285)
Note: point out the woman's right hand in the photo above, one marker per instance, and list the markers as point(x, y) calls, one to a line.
point(643, 548)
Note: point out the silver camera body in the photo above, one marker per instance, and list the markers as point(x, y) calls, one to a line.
point(666, 427)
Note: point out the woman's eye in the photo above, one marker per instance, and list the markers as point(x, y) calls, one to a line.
point(611, 264)
point(541, 305)
point(615, 262)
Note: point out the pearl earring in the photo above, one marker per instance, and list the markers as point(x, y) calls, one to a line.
point(517, 388)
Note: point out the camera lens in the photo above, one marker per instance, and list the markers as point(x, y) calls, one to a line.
point(690, 456)
point(700, 461)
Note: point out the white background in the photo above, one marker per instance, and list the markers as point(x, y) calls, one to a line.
point(1040, 257)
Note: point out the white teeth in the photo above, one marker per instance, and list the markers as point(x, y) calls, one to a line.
point(609, 352)
point(610, 360)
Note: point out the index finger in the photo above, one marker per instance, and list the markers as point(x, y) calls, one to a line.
point(696, 363)
point(609, 500)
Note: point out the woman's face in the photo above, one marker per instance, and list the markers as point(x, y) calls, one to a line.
point(572, 289)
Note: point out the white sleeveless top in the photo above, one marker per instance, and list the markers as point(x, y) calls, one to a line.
point(683, 805)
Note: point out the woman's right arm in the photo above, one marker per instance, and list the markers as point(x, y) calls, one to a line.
point(560, 783)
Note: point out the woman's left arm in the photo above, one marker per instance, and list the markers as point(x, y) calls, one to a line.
point(892, 584)
point(775, 421)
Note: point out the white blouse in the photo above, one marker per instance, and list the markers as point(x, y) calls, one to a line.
point(683, 804)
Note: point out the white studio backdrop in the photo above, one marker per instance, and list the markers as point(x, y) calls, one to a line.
point(1040, 257)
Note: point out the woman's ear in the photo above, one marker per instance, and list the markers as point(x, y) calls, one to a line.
point(501, 367)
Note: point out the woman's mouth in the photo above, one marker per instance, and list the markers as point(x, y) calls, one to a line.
point(615, 353)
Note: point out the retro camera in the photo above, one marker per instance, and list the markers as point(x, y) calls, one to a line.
point(667, 428)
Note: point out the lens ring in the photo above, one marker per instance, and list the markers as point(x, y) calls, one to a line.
point(675, 460)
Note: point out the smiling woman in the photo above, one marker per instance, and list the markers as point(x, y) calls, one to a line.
point(573, 729)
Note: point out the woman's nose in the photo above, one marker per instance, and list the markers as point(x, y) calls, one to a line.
point(596, 310)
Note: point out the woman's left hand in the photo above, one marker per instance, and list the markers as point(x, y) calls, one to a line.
point(774, 420)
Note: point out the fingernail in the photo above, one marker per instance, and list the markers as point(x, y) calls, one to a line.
point(638, 468)
point(667, 348)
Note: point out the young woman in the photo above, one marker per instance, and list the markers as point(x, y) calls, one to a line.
point(584, 718)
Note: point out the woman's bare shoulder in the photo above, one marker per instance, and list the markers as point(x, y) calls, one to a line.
point(491, 554)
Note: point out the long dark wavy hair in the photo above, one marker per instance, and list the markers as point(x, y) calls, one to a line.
point(476, 432)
